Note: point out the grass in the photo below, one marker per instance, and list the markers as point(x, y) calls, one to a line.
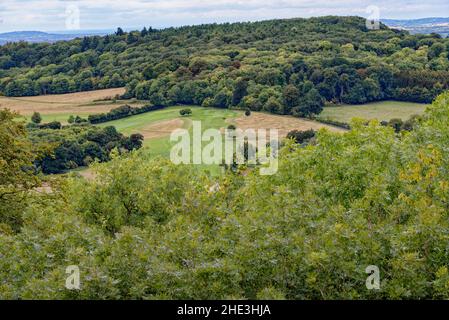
point(384, 110)
point(161, 146)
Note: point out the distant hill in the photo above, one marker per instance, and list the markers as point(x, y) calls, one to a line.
point(38, 36)
point(288, 66)
point(423, 26)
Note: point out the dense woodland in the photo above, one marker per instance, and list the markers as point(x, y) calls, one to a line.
point(148, 229)
point(280, 66)
point(79, 146)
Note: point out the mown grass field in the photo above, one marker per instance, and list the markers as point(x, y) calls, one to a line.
point(384, 110)
point(158, 138)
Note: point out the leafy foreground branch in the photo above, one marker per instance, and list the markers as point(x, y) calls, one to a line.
point(148, 229)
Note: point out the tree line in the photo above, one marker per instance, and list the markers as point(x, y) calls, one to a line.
point(77, 145)
point(121, 112)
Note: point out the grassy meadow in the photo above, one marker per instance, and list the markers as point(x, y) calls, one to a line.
point(383, 110)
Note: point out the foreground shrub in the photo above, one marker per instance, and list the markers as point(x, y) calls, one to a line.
point(149, 229)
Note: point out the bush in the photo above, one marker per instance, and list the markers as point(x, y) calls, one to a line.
point(55, 125)
point(185, 112)
point(77, 146)
point(396, 124)
point(301, 136)
point(366, 197)
point(36, 118)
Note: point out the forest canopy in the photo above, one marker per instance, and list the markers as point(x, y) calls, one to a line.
point(281, 66)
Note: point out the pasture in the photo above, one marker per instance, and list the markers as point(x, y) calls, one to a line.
point(59, 107)
point(382, 111)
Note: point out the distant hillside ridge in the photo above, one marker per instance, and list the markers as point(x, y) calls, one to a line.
point(287, 66)
point(39, 36)
point(424, 26)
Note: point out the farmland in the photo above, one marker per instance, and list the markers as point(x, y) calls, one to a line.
point(157, 126)
point(154, 126)
point(384, 110)
point(60, 107)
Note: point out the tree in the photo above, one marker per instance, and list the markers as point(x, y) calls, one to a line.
point(119, 32)
point(396, 124)
point(240, 91)
point(36, 118)
point(17, 175)
point(144, 32)
point(185, 112)
point(131, 38)
point(291, 98)
point(134, 142)
point(222, 99)
point(197, 65)
point(311, 104)
point(301, 136)
point(273, 105)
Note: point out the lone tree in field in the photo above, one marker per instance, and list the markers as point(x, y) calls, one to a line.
point(36, 118)
point(185, 112)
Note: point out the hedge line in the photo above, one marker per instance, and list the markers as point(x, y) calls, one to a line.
point(122, 112)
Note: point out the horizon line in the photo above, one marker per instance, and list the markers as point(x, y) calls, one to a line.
point(128, 29)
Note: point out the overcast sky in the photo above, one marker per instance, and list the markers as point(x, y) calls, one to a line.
point(62, 15)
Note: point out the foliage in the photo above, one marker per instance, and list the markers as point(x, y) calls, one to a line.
point(147, 229)
point(78, 146)
point(301, 136)
point(281, 66)
point(185, 112)
point(36, 118)
point(17, 175)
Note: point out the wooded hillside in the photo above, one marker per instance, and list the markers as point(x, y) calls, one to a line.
point(280, 66)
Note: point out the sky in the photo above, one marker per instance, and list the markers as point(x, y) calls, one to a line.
point(69, 15)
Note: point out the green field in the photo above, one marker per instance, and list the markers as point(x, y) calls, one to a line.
point(161, 146)
point(384, 110)
point(209, 117)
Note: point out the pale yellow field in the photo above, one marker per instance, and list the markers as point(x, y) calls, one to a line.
point(71, 103)
point(284, 124)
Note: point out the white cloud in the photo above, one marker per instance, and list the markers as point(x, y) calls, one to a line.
point(108, 14)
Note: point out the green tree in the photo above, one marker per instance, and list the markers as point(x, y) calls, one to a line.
point(185, 112)
point(240, 91)
point(291, 98)
point(36, 118)
point(17, 175)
